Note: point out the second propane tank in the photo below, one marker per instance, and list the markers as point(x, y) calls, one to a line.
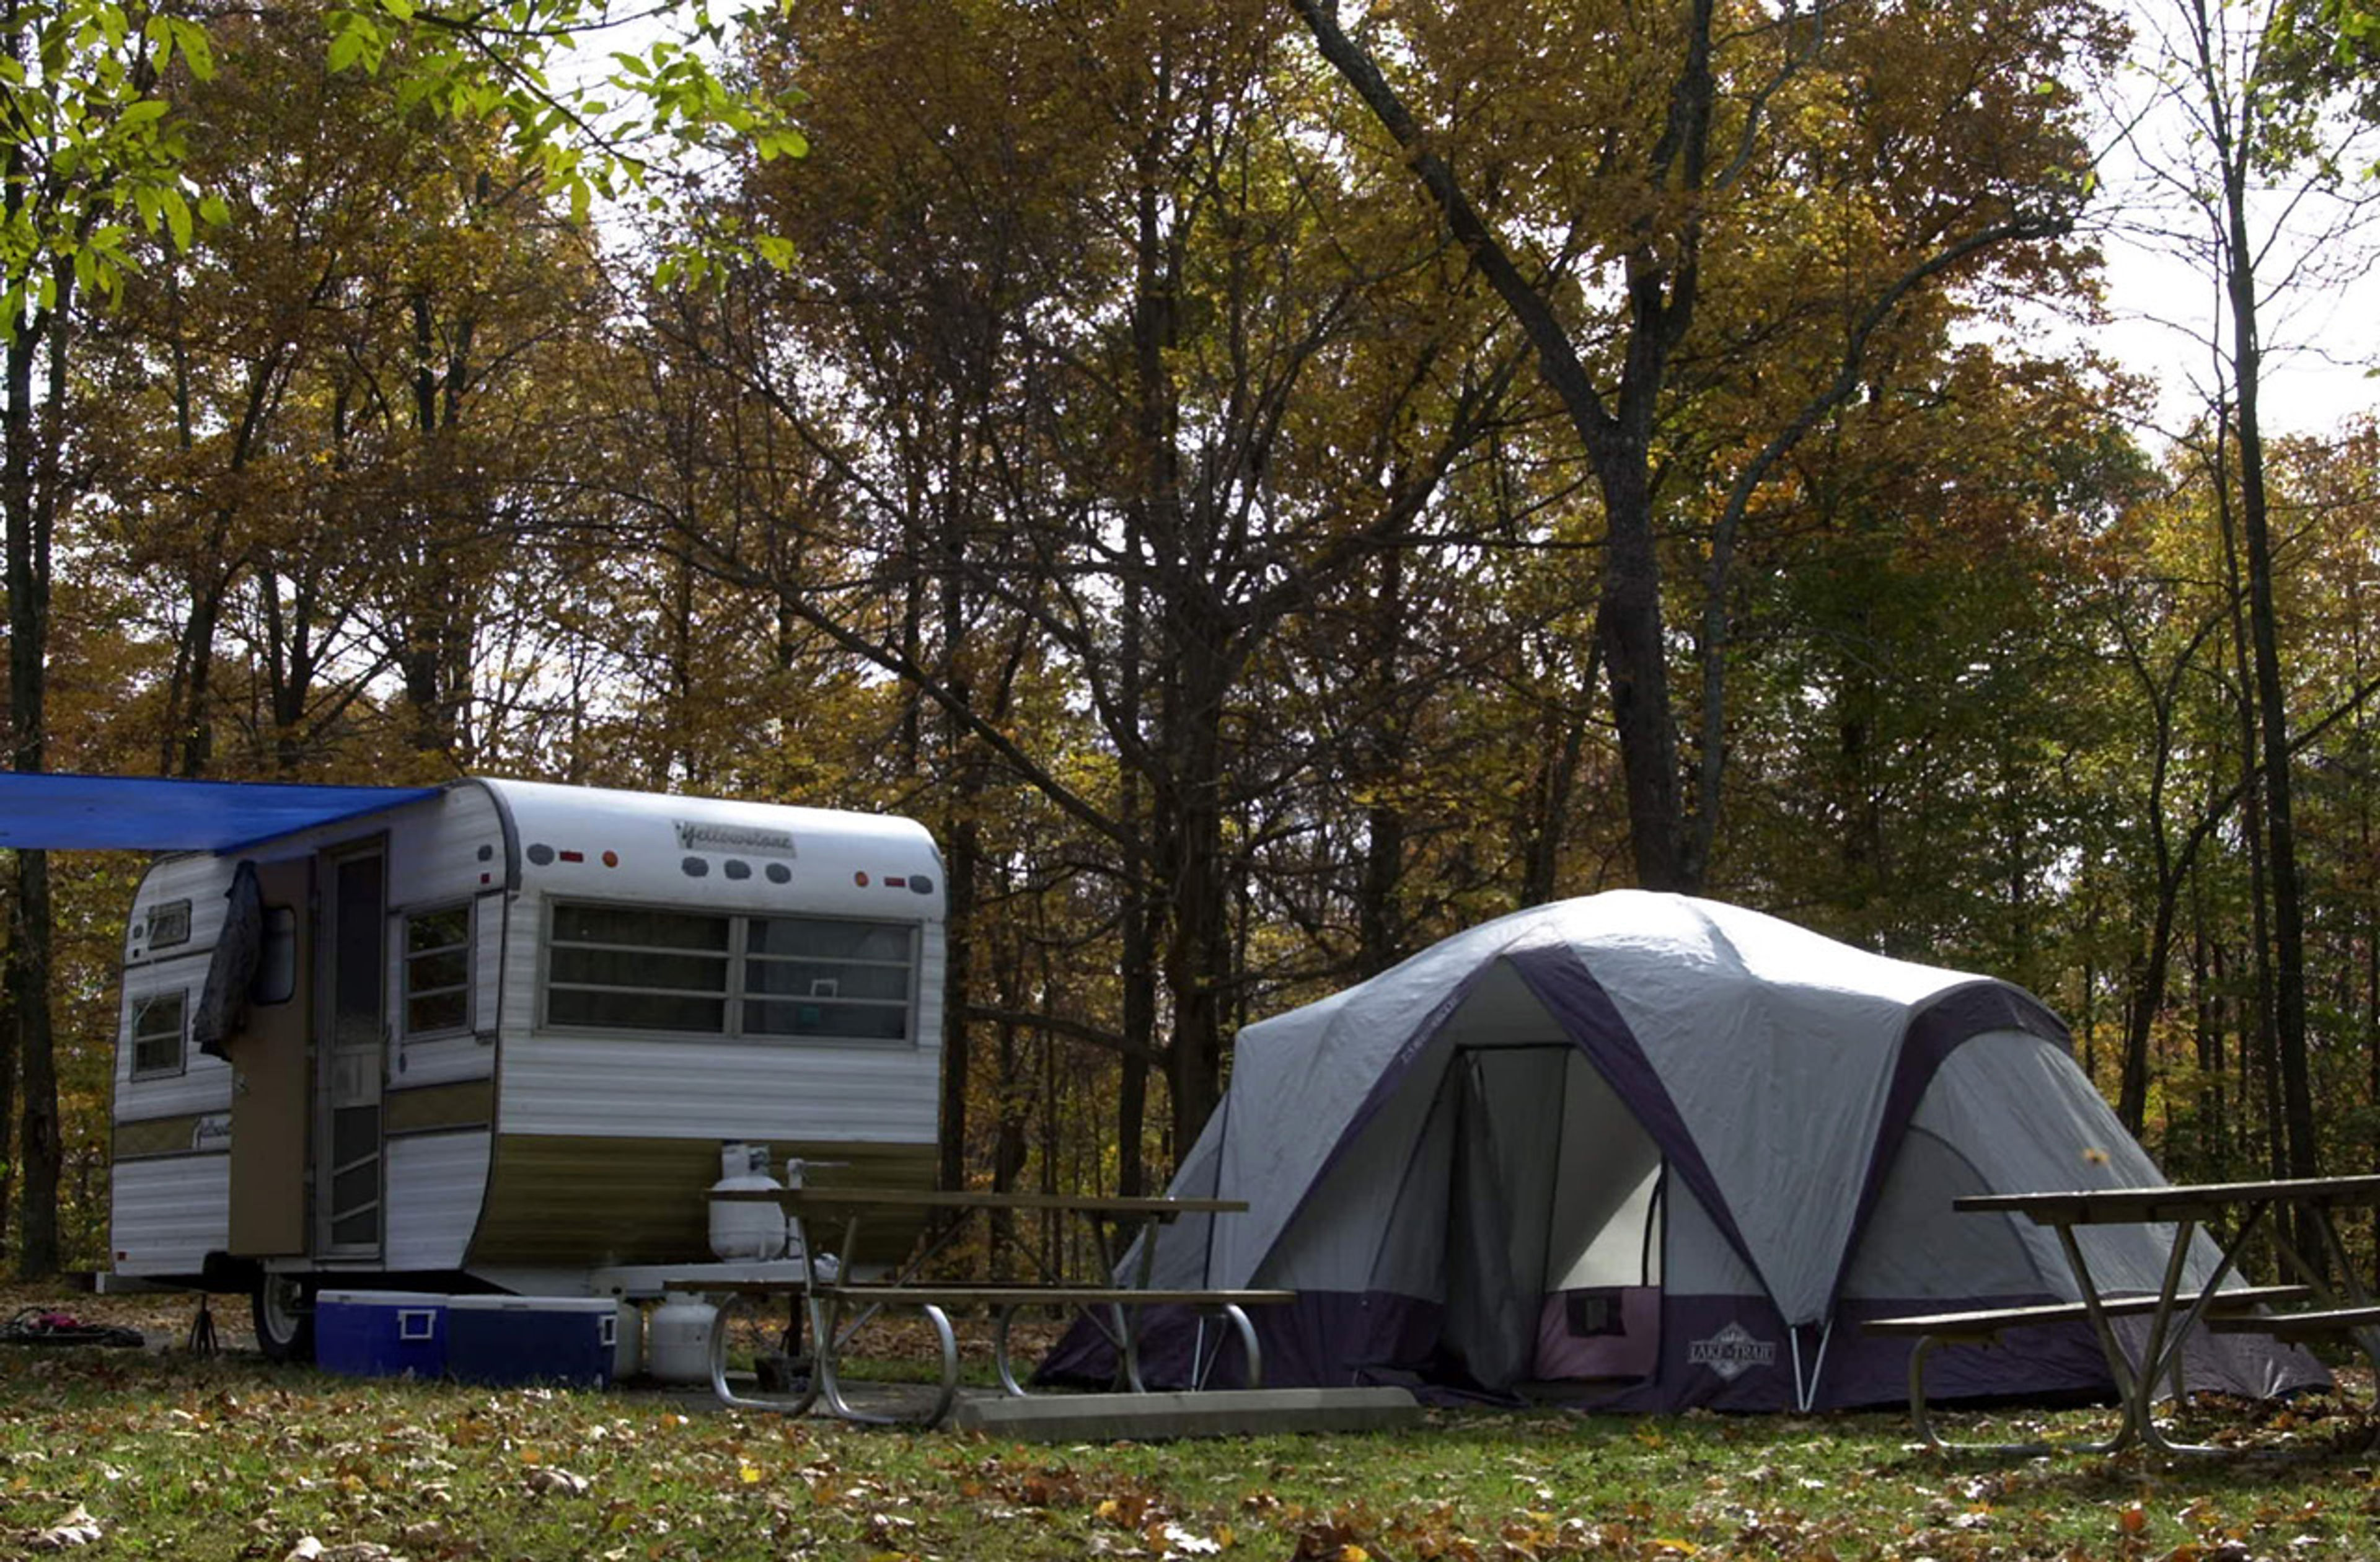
point(745, 1230)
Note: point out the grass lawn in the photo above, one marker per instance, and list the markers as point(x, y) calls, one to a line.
point(125, 1454)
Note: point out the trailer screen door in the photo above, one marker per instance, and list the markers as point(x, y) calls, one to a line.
point(347, 1176)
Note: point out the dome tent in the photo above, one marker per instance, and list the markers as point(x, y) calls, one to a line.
point(1658, 1152)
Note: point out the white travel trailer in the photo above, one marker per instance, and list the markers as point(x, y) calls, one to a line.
point(496, 1033)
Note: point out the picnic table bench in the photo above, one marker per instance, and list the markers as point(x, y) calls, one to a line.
point(1983, 1326)
point(2332, 1322)
point(2176, 1308)
point(838, 1307)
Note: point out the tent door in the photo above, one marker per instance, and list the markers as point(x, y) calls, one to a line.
point(270, 1059)
point(1600, 1316)
point(353, 966)
point(1506, 1101)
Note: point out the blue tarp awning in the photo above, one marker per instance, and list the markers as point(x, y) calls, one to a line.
point(145, 813)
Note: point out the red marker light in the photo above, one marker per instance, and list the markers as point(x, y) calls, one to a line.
point(897, 884)
point(572, 856)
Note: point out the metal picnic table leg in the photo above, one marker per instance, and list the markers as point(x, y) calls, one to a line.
point(796, 1405)
point(2367, 1339)
point(1202, 1363)
point(2165, 1342)
point(826, 1321)
point(2153, 1352)
point(1124, 1320)
point(2118, 1366)
point(1127, 1320)
point(828, 1336)
point(1940, 1445)
point(999, 1362)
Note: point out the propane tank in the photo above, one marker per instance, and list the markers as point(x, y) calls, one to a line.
point(745, 1232)
point(677, 1340)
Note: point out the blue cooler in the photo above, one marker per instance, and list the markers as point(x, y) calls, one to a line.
point(516, 1339)
point(381, 1334)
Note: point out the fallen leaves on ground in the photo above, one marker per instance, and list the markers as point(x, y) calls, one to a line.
point(162, 1454)
point(78, 1528)
point(548, 1479)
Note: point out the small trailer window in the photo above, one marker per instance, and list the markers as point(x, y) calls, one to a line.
point(626, 968)
point(159, 1023)
point(169, 924)
point(438, 971)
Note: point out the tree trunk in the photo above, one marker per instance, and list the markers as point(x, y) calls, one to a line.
point(1663, 282)
point(963, 867)
point(31, 488)
point(1380, 931)
point(1187, 787)
point(1143, 916)
point(2147, 999)
point(1197, 953)
point(2272, 705)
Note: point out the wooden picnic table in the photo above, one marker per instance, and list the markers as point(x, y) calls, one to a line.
point(2177, 1308)
point(837, 1305)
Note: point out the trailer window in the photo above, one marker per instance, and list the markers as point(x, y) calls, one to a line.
point(629, 969)
point(438, 971)
point(159, 1024)
point(807, 976)
point(169, 924)
point(817, 978)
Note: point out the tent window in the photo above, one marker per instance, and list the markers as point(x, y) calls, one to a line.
point(159, 1022)
point(438, 971)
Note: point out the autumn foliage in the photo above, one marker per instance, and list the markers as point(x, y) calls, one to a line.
point(1111, 446)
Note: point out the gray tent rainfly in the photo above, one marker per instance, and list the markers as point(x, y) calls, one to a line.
point(1652, 1152)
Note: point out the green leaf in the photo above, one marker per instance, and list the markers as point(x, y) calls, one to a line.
point(191, 39)
point(177, 217)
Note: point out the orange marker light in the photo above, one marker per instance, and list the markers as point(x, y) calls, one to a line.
point(610, 859)
point(859, 879)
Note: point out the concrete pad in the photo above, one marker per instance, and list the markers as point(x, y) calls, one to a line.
point(1148, 1418)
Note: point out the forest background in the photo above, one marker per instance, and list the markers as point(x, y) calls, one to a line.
point(1268, 484)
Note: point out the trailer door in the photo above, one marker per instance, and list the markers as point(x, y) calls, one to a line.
point(270, 1101)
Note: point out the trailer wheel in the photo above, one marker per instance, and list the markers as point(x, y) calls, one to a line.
point(284, 1307)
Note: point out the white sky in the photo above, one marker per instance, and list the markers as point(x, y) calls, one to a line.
point(2315, 378)
point(2320, 317)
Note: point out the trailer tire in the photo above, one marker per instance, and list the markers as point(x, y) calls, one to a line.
point(282, 1306)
